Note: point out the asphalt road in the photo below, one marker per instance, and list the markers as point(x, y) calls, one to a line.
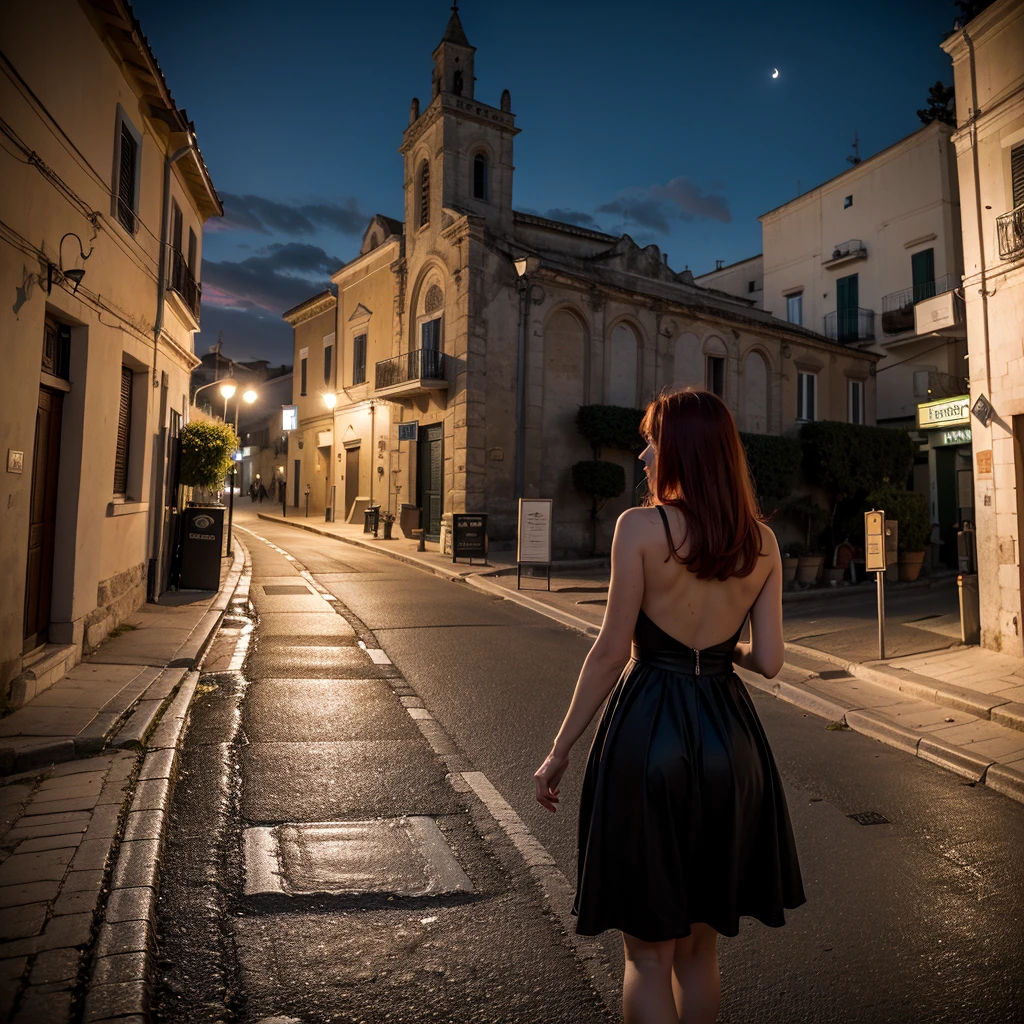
point(916, 920)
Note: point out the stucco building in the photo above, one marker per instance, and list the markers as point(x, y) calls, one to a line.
point(480, 330)
point(104, 199)
point(988, 68)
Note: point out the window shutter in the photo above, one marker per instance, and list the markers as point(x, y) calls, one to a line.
point(177, 226)
point(1017, 175)
point(359, 359)
point(302, 378)
point(124, 418)
point(126, 180)
point(192, 251)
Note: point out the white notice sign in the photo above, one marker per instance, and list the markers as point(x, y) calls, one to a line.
point(534, 531)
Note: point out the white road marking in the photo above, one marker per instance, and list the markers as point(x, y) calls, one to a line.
point(503, 813)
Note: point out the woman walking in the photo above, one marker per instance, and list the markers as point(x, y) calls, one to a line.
point(683, 824)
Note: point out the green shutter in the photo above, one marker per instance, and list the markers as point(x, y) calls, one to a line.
point(923, 268)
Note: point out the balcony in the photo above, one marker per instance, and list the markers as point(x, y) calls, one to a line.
point(846, 325)
point(411, 373)
point(183, 286)
point(846, 252)
point(1010, 228)
point(898, 307)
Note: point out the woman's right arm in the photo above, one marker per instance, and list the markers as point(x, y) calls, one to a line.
point(765, 652)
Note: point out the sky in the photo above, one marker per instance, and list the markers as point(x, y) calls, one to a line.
point(658, 118)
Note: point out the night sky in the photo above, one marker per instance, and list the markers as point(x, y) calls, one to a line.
point(659, 119)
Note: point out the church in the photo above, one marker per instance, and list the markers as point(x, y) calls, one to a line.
point(445, 369)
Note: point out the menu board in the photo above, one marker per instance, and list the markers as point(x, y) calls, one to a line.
point(534, 546)
point(469, 536)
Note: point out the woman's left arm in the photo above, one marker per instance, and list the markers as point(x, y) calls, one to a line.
point(610, 652)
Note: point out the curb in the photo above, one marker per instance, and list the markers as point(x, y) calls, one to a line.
point(124, 957)
point(518, 597)
point(836, 593)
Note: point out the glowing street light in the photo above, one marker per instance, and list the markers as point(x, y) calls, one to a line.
point(330, 400)
point(250, 396)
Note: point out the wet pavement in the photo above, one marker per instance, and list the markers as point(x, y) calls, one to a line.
point(918, 919)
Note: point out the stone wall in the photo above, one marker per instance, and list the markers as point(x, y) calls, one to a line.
point(116, 599)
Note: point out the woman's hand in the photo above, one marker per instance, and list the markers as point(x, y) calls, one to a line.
point(548, 775)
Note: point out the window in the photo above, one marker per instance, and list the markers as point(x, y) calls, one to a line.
point(192, 252)
point(424, 193)
point(303, 354)
point(177, 226)
point(56, 348)
point(795, 308)
point(751, 286)
point(430, 335)
point(359, 359)
point(716, 375)
point(922, 265)
point(124, 421)
point(126, 172)
point(328, 357)
point(480, 176)
point(806, 386)
point(1017, 175)
point(856, 401)
point(847, 202)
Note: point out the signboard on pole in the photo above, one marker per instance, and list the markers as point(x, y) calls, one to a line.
point(533, 545)
point(874, 541)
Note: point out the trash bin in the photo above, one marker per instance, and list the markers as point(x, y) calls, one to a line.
point(970, 610)
point(201, 541)
point(371, 519)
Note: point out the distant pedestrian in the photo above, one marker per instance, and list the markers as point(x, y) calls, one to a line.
point(262, 492)
point(683, 824)
point(273, 489)
point(252, 491)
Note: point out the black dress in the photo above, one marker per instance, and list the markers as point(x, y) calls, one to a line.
point(682, 815)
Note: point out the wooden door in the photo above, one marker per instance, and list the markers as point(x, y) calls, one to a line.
point(351, 480)
point(922, 266)
point(429, 483)
point(42, 518)
point(846, 308)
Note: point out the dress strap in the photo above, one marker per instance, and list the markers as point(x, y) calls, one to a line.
point(668, 532)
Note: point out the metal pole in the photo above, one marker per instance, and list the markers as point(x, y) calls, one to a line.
point(880, 580)
point(231, 511)
point(284, 499)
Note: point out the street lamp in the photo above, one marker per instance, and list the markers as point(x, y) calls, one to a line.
point(330, 400)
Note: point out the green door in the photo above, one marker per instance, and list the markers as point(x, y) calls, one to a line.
point(923, 267)
point(846, 308)
point(429, 484)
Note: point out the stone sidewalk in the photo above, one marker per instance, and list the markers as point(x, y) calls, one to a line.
point(81, 822)
point(962, 707)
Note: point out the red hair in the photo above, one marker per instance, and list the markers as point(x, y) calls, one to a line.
point(701, 469)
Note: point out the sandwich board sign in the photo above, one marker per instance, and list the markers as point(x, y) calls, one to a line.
point(534, 536)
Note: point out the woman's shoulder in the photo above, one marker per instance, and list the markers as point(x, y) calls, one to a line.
point(769, 542)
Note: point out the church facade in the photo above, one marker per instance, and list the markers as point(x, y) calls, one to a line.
point(487, 328)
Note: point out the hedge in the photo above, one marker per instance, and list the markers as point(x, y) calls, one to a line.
point(206, 450)
point(910, 510)
point(849, 461)
point(774, 464)
point(600, 480)
point(611, 426)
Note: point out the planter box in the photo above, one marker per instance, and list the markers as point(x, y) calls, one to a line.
point(789, 566)
point(910, 565)
point(809, 568)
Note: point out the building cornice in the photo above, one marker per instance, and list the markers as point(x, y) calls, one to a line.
point(532, 220)
point(306, 310)
point(457, 106)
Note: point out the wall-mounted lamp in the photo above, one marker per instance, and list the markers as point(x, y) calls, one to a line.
point(72, 273)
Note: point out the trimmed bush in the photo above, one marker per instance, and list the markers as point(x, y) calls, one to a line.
point(910, 510)
point(611, 426)
point(849, 461)
point(600, 480)
point(206, 450)
point(774, 464)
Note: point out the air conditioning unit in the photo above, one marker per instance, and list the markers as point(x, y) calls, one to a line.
point(938, 313)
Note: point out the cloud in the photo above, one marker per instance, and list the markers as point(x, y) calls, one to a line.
point(281, 275)
point(656, 206)
point(247, 334)
point(577, 217)
point(257, 213)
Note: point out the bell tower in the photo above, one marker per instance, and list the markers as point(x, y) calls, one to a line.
point(458, 151)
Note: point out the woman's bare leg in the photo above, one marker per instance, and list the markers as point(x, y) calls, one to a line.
point(696, 984)
point(647, 984)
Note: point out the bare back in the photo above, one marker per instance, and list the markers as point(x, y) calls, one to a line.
point(698, 613)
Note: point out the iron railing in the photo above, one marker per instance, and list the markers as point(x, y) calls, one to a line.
point(850, 325)
point(898, 307)
point(851, 247)
point(419, 364)
point(182, 281)
point(1010, 228)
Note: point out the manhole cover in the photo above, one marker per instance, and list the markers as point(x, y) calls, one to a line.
point(283, 590)
point(870, 818)
point(398, 856)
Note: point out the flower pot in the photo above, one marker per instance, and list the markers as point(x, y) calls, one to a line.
point(910, 565)
point(387, 529)
point(808, 568)
point(789, 569)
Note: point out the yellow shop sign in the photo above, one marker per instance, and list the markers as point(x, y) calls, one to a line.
point(947, 412)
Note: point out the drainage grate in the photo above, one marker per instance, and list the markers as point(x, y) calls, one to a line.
point(870, 818)
point(283, 590)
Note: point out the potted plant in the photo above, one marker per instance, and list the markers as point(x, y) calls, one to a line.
point(206, 450)
point(791, 560)
point(910, 510)
point(388, 519)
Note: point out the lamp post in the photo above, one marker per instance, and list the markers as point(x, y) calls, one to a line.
point(331, 400)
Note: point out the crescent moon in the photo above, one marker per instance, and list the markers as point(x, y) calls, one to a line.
point(775, 73)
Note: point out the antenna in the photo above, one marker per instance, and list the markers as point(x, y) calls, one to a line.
point(854, 157)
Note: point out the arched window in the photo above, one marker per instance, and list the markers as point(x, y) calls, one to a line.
point(688, 365)
point(424, 193)
point(622, 376)
point(480, 182)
